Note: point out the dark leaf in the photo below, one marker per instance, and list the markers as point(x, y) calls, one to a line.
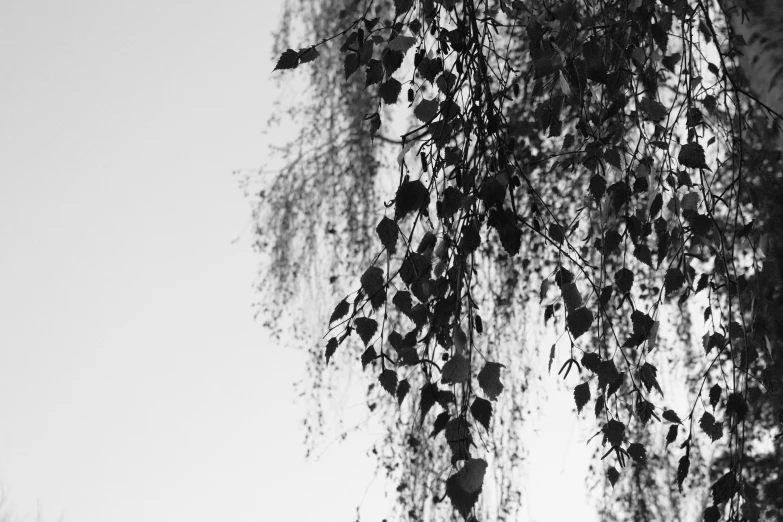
point(692, 156)
point(429, 394)
point(715, 392)
point(597, 187)
point(556, 233)
point(571, 296)
point(712, 514)
point(643, 254)
point(724, 488)
point(401, 7)
point(736, 406)
point(671, 416)
point(599, 406)
point(612, 474)
point(308, 55)
point(372, 281)
point(440, 423)
point(402, 43)
point(288, 60)
point(671, 436)
point(613, 431)
point(638, 453)
point(388, 380)
point(331, 347)
point(340, 310)
point(366, 328)
point(462, 500)
point(351, 64)
point(426, 110)
point(624, 280)
point(412, 196)
point(673, 280)
point(368, 356)
point(402, 389)
point(402, 300)
point(581, 396)
point(489, 380)
point(682, 470)
point(389, 91)
point(387, 231)
point(579, 321)
point(373, 73)
point(456, 370)
point(481, 409)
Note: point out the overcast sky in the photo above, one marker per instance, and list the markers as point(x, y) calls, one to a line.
point(134, 383)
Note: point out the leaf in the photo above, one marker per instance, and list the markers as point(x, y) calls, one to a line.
point(556, 233)
point(389, 91)
point(597, 187)
point(638, 453)
point(579, 321)
point(372, 280)
point(351, 64)
point(682, 470)
point(736, 406)
point(387, 231)
point(612, 474)
point(715, 392)
point(706, 423)
point(412, 196)
point(599, 406)
point(402, 389)
point(489, 380)
point(643, 254)
point(402, 43)
point(613, 432)
point(366, 328)
point(624, 280)
point(331, 347)
point(692, 156)
point(581, 396)
point(456, 370)
point(673, 280)
point(375, 124)
point(440, 423)
point(724, 488)
point(373, 73)
point(712, 514)
point(671, 436)
point(481, 409)
point(648, 374)
point(368, 356)
point(388, 380)
point(551, 358)
point(340, 310)
point(462, 501)
point(429, 394)
point(653, 109)
point(426, 110)
point(401, 7)
point(671, 416)
point(471, 476)
point(571, 296)
point(459, 338)
point(308, 55)
point(288, 60)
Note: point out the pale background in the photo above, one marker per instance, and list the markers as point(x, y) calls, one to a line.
point(135, 384)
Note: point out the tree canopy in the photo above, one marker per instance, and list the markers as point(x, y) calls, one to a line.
point(470, 174)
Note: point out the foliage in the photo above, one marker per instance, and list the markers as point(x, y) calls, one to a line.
point(600, 166)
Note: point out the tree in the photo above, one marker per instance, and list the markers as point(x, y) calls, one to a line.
point(605, 169)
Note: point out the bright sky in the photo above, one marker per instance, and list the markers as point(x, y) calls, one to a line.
point(134, 383)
